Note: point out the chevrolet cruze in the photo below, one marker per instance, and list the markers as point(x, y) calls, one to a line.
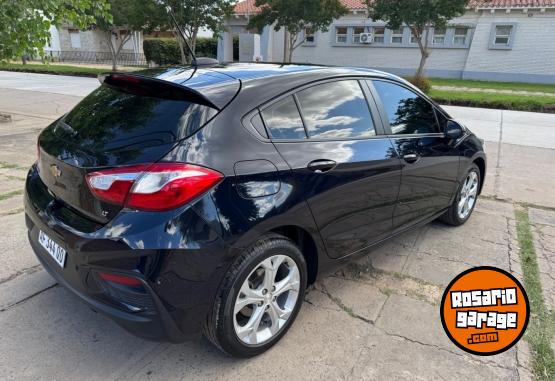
point(206, 199)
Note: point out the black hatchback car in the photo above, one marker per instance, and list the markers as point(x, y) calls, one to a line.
point(191, 199)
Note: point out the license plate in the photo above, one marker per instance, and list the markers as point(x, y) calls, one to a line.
point(55, 250)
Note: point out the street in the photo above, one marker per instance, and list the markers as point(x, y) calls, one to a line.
point(378, 318)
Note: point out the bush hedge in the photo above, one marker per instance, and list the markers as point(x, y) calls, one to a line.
point(422, 83)
point(165, 51)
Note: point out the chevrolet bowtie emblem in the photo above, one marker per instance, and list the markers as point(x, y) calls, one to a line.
point(56, 172)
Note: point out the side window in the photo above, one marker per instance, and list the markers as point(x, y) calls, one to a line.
point(336, 110)
point(408, 113)
point(283, 120)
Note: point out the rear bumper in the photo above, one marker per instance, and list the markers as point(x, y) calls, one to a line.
point(157, 325)
point(179, 284)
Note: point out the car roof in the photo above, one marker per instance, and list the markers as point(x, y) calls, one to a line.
point(219, 84)
point(258, 71)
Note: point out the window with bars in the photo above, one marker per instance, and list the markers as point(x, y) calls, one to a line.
point(459, 37)
point(439, 36)
point(397, 36)
point(341, 34)
point(379, 33)
point(74, 38)
point(503, 35)
point(309, 36)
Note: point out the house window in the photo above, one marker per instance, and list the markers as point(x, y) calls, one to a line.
point(341, 34)
point(357, 30)
point(74, 38)
point(309, 36)
point(460, 36)
point(379, 35)
point(397, 36)
point(439, 36)
point(503, 35)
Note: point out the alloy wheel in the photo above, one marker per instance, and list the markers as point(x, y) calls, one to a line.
point(468, 194)
point(266, 300)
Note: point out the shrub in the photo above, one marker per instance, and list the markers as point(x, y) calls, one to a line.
point(162, 51)
point(165, 51)
point(422, 83)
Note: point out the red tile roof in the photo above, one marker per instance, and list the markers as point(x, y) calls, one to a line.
point(354, 4)
point(248, 6)
point(511, 3)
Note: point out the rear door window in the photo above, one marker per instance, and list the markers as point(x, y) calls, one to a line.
point(283, 120)
point(407, 112)
point(336, 110)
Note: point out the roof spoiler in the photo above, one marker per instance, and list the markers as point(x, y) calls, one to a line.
point(154, 87)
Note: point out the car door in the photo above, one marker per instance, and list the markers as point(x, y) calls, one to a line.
point(430, 160)
point(349, 172)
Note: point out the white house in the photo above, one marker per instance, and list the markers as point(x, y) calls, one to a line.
point(505, 40)
point(71, 44)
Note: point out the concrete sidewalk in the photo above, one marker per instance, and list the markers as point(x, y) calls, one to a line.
point(375, 319)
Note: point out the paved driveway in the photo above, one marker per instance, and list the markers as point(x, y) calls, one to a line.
point(375, 319)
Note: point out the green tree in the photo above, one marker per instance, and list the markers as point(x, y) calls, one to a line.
point(25, 24)
point(192, 15)
point(130, 16)
point(296, 17)
point(419, 15)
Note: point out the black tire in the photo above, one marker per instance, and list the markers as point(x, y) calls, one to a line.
point(219, 327)
point(451, 217)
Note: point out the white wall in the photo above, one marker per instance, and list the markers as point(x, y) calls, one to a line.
point(532, 57)
point(54, 40)
point(402, 60)
point(533, 48)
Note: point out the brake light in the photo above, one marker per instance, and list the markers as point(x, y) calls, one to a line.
point(154, 187)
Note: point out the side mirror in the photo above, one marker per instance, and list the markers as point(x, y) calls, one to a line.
point(453, 130)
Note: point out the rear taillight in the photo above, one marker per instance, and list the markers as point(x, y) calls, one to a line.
point(154, 187)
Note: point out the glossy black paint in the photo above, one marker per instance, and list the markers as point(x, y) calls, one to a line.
point(334, 198)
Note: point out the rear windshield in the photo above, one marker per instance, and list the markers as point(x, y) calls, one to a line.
point(109, 119)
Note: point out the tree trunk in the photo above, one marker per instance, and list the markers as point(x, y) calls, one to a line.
point(183, 56)
point(424, 52)
point(194, 41)
point(115, 52)
point(292, 40)
point(420, 71)
point(112, 52)
point(293, 44)
point(285, 50)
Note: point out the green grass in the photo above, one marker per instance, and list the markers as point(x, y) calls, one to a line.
point(517, 86)
point(542, 324)
point(499, 101)
point(54, 69)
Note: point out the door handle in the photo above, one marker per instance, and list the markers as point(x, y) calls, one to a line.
point(321, 165)
point(411, 158)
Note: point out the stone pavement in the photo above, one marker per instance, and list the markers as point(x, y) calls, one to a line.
point(377, 318)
